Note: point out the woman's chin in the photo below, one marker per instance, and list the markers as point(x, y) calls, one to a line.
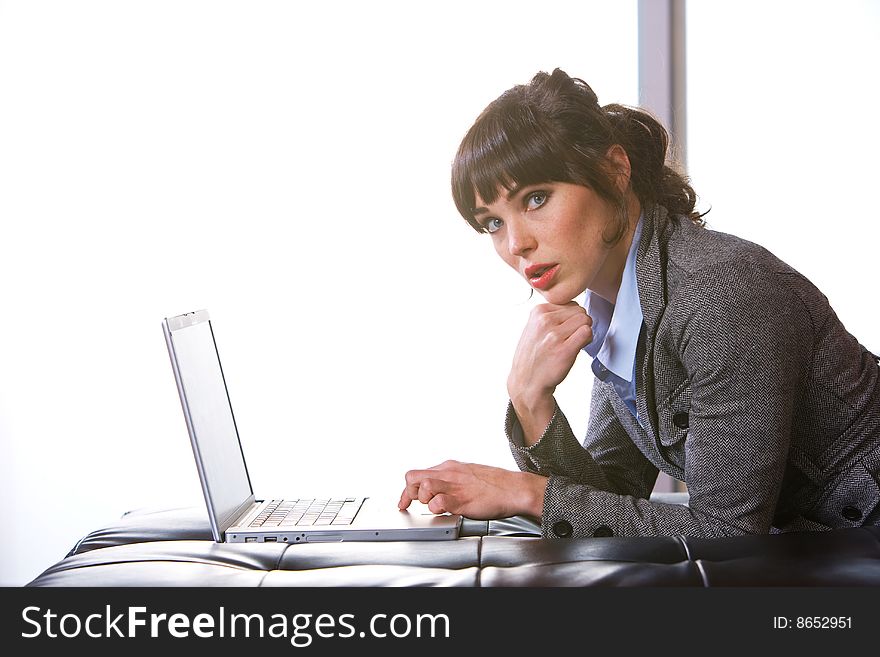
point(557, 297)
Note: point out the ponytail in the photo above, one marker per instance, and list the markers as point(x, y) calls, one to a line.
point(653, 180)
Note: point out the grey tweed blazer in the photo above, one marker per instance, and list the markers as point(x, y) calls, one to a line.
point(751, 392)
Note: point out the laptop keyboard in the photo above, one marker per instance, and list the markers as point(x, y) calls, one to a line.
point(312, 512)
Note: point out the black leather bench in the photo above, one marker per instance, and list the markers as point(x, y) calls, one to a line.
point(173, 547)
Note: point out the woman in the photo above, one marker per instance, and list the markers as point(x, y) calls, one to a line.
point(715, 362)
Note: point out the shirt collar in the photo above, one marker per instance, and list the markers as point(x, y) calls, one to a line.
point(616, 327)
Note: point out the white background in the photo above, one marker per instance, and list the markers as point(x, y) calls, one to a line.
point(783, 139)
point(286, 166)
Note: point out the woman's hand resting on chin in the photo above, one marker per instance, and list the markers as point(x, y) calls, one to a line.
point(550, 342)
point(481, 492)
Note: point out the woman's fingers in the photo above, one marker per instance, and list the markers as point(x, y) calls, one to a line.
point(551, 327)
point(573, 330)
point(550, 314)
point(424, 485)
point(440, 504)
point(473, 490)
point(426, 490)
point(580, 336)
point(547, 350)
point(427, 493)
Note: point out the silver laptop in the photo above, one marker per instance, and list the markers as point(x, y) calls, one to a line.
point(236, 515)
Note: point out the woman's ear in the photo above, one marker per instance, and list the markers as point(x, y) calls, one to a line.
point(620, 168)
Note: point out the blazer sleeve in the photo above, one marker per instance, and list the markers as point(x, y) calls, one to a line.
point(744, 337)
point(608, 459)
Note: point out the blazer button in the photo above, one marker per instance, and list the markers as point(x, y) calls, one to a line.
point(681, 420)
point(851, 513)
point(602, 531)
point(562, 528)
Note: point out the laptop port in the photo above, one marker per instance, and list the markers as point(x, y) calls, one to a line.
point(271, 539)
point(250, 539)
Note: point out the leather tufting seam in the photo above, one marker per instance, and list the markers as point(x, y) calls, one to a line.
point(687, 552)
point(479, 581)
point(281, 557)
point(703, 575)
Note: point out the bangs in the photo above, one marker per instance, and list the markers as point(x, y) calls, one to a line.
point(505, 150)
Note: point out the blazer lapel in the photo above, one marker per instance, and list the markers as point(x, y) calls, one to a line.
point(651, 280)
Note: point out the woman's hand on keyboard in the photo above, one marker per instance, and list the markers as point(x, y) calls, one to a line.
point(476, 491)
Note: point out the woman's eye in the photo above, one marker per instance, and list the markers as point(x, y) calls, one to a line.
point(493, 224)
point(536, 200)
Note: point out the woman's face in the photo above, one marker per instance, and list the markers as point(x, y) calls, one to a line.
point(552, 234)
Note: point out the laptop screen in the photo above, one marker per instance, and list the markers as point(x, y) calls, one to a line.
point(211, 423)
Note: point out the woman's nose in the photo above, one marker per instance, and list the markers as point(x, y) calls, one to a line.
point(520, 241)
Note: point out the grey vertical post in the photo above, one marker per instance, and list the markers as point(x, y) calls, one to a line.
point(662, 91)
point(662, 79)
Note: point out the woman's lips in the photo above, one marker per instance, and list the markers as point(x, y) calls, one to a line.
point(541, 278)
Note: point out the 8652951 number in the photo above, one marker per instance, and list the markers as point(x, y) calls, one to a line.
point(813, 622)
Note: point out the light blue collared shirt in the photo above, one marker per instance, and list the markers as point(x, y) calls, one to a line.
point(616, 330)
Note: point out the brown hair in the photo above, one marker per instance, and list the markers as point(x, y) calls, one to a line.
point(553, 130)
